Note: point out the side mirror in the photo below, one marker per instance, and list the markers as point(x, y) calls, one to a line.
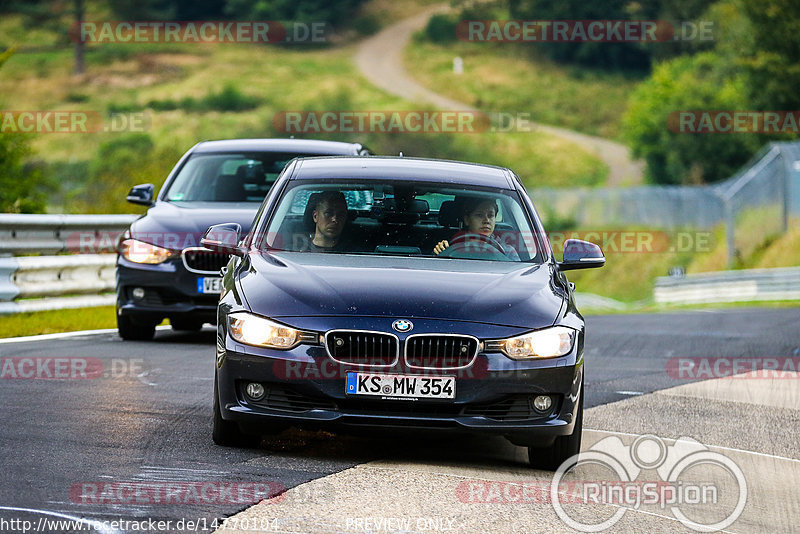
point(141, 194)
point(581, 255)
point(223, 238)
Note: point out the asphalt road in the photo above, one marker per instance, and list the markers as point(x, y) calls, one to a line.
point(146, 419)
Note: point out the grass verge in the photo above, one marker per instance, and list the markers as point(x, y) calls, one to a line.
point(54, 321)
point(509, 78)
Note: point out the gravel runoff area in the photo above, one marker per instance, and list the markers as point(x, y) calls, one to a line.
point(748, 421)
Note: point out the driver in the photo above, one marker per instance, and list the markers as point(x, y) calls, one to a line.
point(330, 216)
point(478, 219)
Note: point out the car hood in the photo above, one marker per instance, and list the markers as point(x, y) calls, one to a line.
point(177, 226)
point(308, 284)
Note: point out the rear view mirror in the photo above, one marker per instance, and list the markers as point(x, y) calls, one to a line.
point(141, 194)
point(581, 255)
point(223, 238)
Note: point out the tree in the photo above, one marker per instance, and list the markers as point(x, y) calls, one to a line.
point(700, 82)
point(621, 55)
point(51, 13)
point(773, 62)
point(23, 187)
point(334, 13)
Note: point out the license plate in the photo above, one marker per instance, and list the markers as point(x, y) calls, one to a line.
point(418, 387)
point(209, 284)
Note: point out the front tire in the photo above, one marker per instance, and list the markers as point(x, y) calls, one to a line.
point(564, 447)
point(132, 329)
point(228, 433)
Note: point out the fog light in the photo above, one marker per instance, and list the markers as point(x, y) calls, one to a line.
point(542, 403)
point(138, 293)
point(255, 391)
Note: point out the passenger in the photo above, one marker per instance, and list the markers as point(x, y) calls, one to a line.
point(478, 220)
point(330, 216)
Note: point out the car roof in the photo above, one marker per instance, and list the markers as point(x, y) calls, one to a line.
point(382, 167)
point(311, 146)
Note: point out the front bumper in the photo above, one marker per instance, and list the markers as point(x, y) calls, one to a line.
point(306, 388)
point(170, 291)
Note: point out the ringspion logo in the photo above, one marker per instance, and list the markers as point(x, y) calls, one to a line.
point(690, 475)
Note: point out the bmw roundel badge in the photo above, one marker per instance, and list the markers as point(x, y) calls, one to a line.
point(401, 325)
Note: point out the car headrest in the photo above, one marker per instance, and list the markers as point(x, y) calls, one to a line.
point(230, 188)
point(418, 205)
point(250, 174)
point(448, 214)
point(308, 214)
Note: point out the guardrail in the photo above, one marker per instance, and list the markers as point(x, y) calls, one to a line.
point(729, 286)
point(38, 283)
point(33, 277)
point(51, 234)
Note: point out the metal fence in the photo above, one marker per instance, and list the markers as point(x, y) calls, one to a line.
point(37, 283)
point(52, 234)
point(760, 198)
point(730, 286)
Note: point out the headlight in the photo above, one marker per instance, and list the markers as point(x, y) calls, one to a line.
point(261, 332)
point(547, 343)
point(141, 252)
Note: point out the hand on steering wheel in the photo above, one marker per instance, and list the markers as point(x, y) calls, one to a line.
point(469, 242)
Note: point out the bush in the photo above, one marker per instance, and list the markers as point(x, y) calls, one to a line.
point(123, 108)
point(229, 99)
point(701, 82)
point(119, 164)
point(24, 186)
point(77, 98)
point(441, 28)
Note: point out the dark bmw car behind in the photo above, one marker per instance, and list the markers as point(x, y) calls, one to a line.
point(162, 271)
point(411, 316)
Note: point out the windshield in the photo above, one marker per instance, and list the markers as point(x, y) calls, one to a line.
point(401, 218)
point(239, 177)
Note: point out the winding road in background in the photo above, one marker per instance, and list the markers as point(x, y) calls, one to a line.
point(147, 421)
point(380, 60)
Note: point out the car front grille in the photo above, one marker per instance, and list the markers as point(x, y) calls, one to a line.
point(440, 351)
point(202, 260)
point(362, 348)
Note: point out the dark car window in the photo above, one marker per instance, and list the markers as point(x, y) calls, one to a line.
point(235, 177)
point(403, 218)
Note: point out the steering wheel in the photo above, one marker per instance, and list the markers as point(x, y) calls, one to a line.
point(470, 244)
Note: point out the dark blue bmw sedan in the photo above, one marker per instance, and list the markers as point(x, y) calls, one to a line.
point(162, 272)
point(399, 292)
